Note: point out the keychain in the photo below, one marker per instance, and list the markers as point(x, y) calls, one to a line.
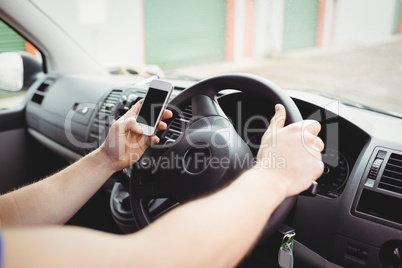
point(285, 254)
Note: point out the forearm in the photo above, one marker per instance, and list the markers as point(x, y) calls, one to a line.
point(215, 231)
point(55, 246)
point(57, 198)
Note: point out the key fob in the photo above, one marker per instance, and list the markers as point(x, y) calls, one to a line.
point(285, 257)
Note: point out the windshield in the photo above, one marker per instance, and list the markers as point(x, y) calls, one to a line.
point(349, 48)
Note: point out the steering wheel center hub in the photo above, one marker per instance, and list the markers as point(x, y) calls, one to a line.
point(197, 159)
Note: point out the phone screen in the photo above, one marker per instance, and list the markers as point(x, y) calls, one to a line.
point(152, 106)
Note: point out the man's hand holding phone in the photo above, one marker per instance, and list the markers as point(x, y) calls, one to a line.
point(128, 139)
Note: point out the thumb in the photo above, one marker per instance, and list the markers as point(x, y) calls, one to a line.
point(278, 121)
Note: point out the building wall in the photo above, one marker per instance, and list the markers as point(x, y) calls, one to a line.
point(360, 21)
point(268, 29)
point(240, 29)
point(340, 23)
point(113, 31)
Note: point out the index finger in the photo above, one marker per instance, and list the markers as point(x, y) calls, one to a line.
point(312, 126)
point(167, 114)
point(135, 109)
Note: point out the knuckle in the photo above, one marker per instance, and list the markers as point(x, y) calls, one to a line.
point(295, 127)
point(309, 139)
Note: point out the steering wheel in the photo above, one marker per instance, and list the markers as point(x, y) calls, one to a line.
point(190, 167)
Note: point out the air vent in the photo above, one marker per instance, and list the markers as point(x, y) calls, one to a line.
point(179, 124)
point(45, 85)
point(42, 90)
point(100, 126)
point(110, 103)
point(37, 98)
point(391, 178)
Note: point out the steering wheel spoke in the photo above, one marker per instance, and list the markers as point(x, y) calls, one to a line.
point(204, 106)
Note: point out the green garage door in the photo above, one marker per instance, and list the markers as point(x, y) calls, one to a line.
point(9, 39)
point(182, 32)
point(300, 24)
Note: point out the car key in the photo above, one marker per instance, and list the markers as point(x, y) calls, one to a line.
point(285, 254)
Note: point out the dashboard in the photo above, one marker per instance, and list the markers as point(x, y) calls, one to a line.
point(356, 218)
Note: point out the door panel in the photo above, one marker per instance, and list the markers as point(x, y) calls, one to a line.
point(12, 119)
point(13, 158)
point(22, 159)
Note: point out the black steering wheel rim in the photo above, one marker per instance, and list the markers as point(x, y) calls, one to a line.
point(203, 95)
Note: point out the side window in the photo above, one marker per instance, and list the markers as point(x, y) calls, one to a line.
point(13, 50)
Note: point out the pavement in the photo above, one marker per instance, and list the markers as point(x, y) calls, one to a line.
point(371, 74)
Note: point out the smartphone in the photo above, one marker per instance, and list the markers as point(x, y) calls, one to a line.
point(154, 104)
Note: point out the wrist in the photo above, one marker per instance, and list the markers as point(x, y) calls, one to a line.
point(269, 181)
point(103, 160)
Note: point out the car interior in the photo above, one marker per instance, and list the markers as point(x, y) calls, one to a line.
point(352, 217)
